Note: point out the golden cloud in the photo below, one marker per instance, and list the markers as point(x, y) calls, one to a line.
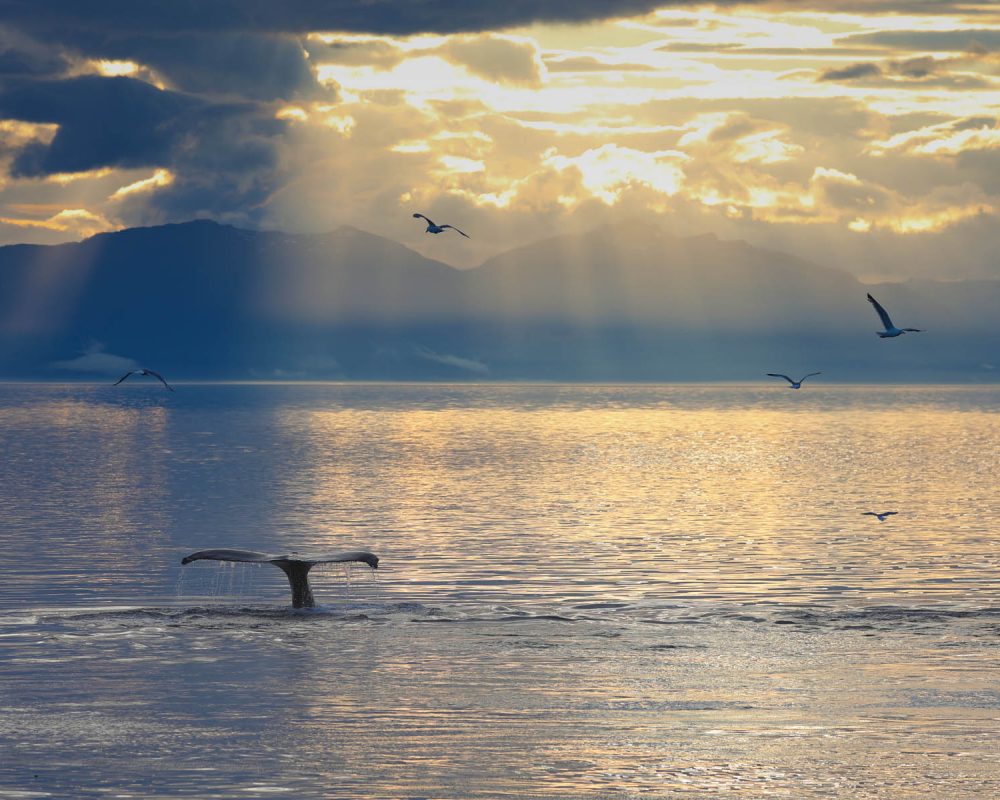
point(162, 177)
point(78, 222)
point(945, 139)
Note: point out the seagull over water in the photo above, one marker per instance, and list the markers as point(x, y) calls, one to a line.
point(890, 329)
point(794, 384)
point(150, 372)
point(880, 514)
point(432, 228)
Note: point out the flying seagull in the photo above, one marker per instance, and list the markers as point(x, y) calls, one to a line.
point(880, 514)
point(890, 329)
point(432, 228)
point(794, 384)
point(156, 375)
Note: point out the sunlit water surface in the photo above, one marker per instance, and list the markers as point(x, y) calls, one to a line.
point(584, 592)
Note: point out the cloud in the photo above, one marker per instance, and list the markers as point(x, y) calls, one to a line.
point(193, 98)
point(256, 66)
point(217, 158)
point(301, 16)
point(952, 138)
point(877, 7)
point(918, 73)
point(497, 58)
point(161, 177)
point(94, 359)
point(592, 64)
point(608, 170)
point(916, 67)
point(953, 41)
point(102, 122)
point(356, 51)
point(458, 362)
point(819, 117)
point(307, 115)
point(79, 223)
point(850, 73)
point(22, 56)
point(697, 47)
point(845, 192)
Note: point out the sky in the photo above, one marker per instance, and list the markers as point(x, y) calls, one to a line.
point(862, 135)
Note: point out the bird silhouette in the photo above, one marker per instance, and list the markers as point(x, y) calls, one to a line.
point(890, 329)
point(434, 228)
point(794, 384)
point(144, 371)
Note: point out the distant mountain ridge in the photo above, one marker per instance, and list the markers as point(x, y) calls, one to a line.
point(627, 302)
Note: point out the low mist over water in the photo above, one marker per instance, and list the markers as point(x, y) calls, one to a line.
point(583, 591)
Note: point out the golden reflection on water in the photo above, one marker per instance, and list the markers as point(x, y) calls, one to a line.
point(751, 502)
point(525, 494)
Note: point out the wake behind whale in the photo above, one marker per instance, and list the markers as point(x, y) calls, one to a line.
point(296, 566)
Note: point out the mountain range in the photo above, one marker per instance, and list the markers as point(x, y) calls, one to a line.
point(201, 300)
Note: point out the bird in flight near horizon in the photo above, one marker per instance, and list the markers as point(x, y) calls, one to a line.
point(432, 228)
point(794, 384)
point(881, 515)
point(144, 371)
point(890, 329)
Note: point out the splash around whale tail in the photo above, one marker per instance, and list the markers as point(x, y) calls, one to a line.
point(296, 566)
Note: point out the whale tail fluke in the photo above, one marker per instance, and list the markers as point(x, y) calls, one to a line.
point(296, 566)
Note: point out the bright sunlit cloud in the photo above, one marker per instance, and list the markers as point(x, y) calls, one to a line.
point(748, 122)
point(113, 69)
point(162, 177)
point(608, 170)
point(76, 221)
point(946, 139)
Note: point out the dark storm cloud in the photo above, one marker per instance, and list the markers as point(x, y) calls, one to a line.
point(22, 56)
point(18, 62)
point(226, 166)
point(256, 66)
point(69, 20)
point(213, 128)
point(69, 17)
point(224, 155)
point(102, 122)
point(385, 16)
point(262, 66)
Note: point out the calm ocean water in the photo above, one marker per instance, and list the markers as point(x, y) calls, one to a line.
point(585, 591)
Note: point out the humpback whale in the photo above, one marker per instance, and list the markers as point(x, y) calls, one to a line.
point(296, 566)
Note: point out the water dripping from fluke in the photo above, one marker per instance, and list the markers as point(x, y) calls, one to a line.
point(296, 566)
point(347, 572)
